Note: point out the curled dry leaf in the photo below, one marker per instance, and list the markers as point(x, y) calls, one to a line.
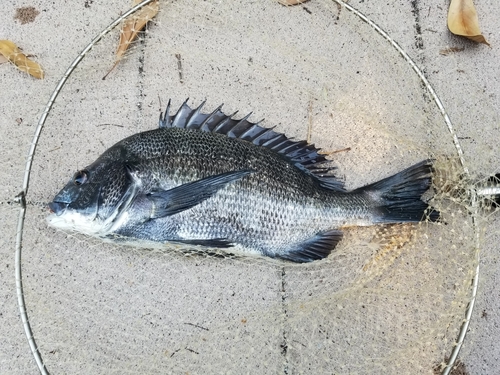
point(12, 53)
point(462, 20)
point(132, 26)
point(291, 2)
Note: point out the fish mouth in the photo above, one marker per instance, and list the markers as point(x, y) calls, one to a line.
point(58, 207)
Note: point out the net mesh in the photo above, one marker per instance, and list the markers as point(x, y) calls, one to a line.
point(390, 299)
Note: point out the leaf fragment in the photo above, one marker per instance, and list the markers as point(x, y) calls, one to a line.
point(463, 20)
point(12, 53)
point(291, 2)
point(449, 51)
point(132, 26)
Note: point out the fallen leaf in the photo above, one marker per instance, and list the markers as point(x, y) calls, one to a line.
point(12, 53)
point(291, 2)
point(462, 20)
point(132, 26)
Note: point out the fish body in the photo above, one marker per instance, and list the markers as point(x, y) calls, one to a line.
point(210, 180)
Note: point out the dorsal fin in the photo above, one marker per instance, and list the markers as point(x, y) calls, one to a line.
point(303, 155)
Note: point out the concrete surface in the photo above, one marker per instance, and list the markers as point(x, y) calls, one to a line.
point(96, 308)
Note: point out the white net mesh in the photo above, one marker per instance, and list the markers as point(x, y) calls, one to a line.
point(389, 299)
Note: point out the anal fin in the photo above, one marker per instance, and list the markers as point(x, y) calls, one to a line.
point(315, 248)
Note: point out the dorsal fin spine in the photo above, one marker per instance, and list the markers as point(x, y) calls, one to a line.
point(241, 123)
point(294, 146)
point(269, 143)
point(257, 140)
point(165, 121)
point(179, 116)
point(195, 114)
point(219, 126)
point(280, 146)
point(204, 124)
point(249, 131)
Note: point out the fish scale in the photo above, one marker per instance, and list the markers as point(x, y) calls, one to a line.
point(206, 179)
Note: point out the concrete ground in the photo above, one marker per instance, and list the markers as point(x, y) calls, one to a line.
point(96, 308)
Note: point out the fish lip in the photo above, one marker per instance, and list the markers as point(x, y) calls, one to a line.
point(58, 207)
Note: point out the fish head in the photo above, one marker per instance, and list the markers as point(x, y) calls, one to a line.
point(92, 198)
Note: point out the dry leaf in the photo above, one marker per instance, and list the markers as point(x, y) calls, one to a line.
point(132, 26)
point(12, 53)
point(291, 2)
point(462, 20)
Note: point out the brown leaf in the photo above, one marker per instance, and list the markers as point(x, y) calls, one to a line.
point(462, 20)
point(12, 53)
point(132, 26)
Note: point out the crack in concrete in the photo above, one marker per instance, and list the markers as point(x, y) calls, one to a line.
point(284, 344)
point(419, 43)
point(23, 203)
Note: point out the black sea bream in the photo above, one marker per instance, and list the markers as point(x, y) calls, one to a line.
point(212, 181)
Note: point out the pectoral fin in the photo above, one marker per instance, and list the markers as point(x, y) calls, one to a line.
point(186, 196)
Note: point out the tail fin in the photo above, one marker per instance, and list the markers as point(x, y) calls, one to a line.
point(400, 196)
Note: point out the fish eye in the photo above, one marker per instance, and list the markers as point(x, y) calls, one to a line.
point(80, 177)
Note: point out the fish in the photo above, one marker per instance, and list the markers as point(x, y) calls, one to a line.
point(212, 182)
